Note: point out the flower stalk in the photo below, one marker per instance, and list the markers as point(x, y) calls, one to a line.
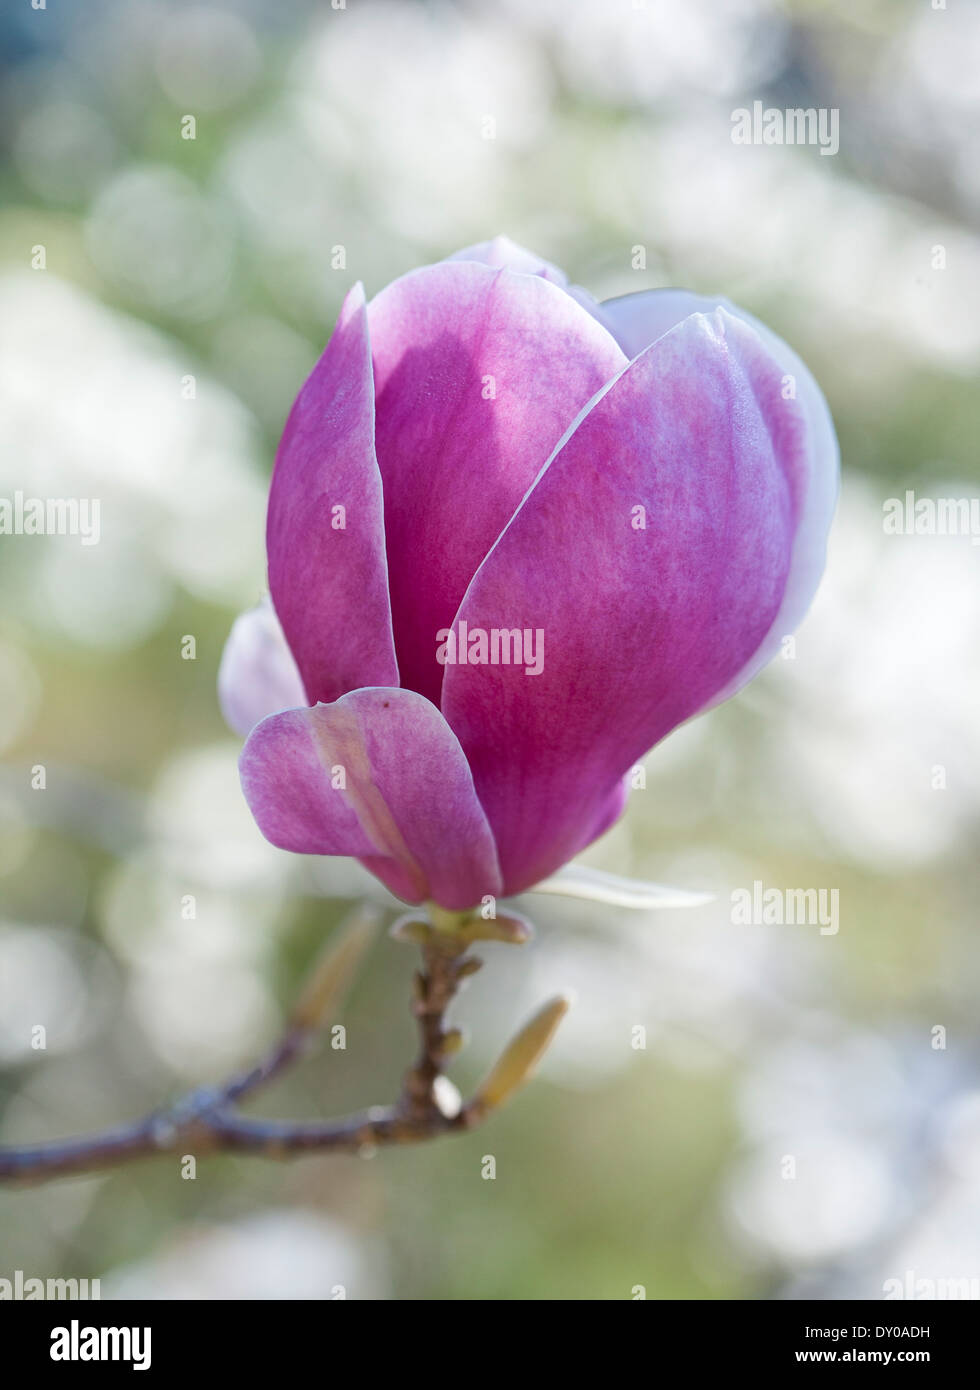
point(428, 1106)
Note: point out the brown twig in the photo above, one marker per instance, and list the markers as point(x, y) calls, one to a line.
point(446, 964)
point(207, 1120)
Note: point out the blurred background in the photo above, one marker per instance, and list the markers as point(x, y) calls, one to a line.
point(794, 1124)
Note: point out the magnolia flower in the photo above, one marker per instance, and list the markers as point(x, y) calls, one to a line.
point(515, 537)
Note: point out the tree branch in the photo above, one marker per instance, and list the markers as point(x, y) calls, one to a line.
point(207, 1120)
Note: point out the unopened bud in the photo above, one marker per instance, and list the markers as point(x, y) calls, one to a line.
point(447, 1098)
point(453, 1041)
point(334, 971)
point(521, 1056)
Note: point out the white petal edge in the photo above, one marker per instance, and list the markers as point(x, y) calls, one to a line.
point(257, 675)
point(596, 886)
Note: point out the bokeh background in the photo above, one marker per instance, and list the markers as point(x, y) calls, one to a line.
point(852, 766)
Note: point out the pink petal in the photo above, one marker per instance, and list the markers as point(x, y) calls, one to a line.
point(325, 533)
point(407, 808)
point(642, 628)
point(636, 320)
point(478, 374)
point(501, 251)
point(257, 675)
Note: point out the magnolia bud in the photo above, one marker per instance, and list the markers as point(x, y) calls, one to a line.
point(334, 971)
point(520, 1057)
